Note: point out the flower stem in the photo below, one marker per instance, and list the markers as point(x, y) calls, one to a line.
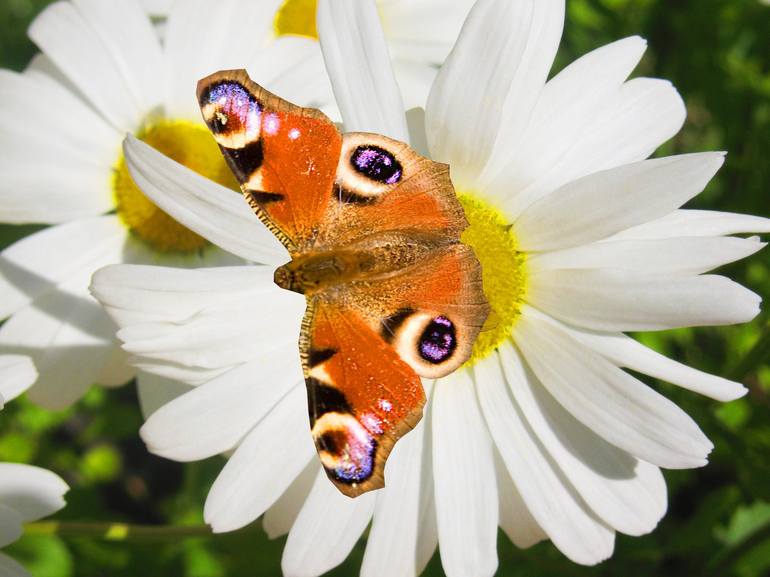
point(117, 531)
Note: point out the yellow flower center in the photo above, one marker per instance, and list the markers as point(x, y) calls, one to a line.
point(502, 269)
point(189, 144)
point(297, 18)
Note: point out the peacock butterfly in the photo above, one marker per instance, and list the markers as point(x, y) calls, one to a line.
point(373, 230)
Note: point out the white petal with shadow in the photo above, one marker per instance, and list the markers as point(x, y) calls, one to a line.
point(17, 373)
point(36, 264)
point(616, 406)
point(110, 50)
point(669, 256)
point(464, 480)
point(214, 417)
point(155, 391)
point(422, 31)
point(515, 519)
point(358, 63)
point(695, 223)
point(628, 494)
point(327, 528)
point(607, 202)
point(551, 500)
point(69, 338)
point(490, 82)
point(627, 127)
point(218, 214)
point(31, 491)
point(629, 353)
point(263, 465)
point(279, 518)
point(10, 526)
point(201, 39)
point(399, 515)
point(625, 300)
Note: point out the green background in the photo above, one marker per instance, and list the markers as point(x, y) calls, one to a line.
point(717, 53)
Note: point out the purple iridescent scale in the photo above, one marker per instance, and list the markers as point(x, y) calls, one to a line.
point(241, 111)
point(359, 463)
point(376, 163)
point(438, 340)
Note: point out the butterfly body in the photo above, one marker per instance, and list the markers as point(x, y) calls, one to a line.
point(373, 231)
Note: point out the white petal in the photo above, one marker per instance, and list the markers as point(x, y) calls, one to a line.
point(627, 126)
point(9, 567)
point(624, 300)
point(17, 373)
point(627, 352)
point(264, 464)
point(551, 500)
point(200, 40)
point(109, 50)
point(414, 82)
point(674, 256)
point(358, 63)
point(279, 518)
point(39, 262)
point(464, 480)
point(192, 376)
point(116, 370)
point(213, 417)
point(604, 203)
point(31, 491)
point(399, 516)
point(423, 31)
point(155, 391)
point(293, 68)
point(57, 163)
point(515, 519)
point(213, 211)
point(491, 81)
point(616, 406)
point(326, 529)
point(629, 495)
point(139, 293)
point(69, 338)
point(565, 107)
point(10, 526)
point(695, 223)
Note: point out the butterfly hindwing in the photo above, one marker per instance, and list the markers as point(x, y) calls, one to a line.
point(361, 396)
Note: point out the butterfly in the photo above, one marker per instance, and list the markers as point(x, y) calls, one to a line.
point(373, 230)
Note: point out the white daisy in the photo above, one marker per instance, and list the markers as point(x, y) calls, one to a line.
point(580, 239)
point(102, 73)
point(26, 493)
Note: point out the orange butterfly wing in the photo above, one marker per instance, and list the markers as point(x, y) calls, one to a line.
point(285, 157)
point(374, 231)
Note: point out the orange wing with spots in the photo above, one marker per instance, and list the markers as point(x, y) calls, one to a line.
point(374, 232)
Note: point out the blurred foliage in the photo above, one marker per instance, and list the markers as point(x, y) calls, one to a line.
point(717, 53)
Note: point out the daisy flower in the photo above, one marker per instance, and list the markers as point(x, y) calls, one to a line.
point(581, 238)
point(26, 493)
point(102, 73)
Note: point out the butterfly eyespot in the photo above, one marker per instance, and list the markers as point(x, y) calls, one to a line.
point(438, 341)
point(377, 164)
point(347, 450)
point(232, 114)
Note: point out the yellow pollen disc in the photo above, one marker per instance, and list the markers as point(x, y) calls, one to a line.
point(296, 17)
point(502, 269)
point(189, 144)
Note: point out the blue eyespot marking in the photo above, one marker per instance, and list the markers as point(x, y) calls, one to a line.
point(376, 163)
point(438, 341)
